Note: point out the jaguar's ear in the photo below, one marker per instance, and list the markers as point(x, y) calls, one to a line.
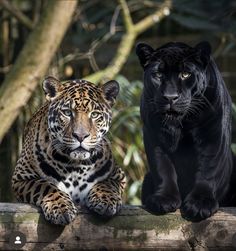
point(111, 90)
point(144, 53)
point(52, 87)
point(204, 52)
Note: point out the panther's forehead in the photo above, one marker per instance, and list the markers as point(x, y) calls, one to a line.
point(172, 56)
point(82, 95)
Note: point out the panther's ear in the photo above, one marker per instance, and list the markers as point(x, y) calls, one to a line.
point(204, 52)
point(111, 90)
point(52, 87)
point(144, 52)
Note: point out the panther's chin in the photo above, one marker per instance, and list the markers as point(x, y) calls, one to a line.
point(172, 113)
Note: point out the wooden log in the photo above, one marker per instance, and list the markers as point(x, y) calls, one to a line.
point(132, 229)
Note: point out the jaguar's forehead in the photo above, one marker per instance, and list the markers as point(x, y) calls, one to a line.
point(83, 95)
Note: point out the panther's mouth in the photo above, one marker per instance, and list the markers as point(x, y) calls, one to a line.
point(172, 113)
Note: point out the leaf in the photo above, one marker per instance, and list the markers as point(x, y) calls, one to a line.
point(233, 147)
point(128, 156)
point(133, 189)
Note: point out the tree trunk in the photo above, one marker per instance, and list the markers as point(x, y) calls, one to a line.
point(33, 61)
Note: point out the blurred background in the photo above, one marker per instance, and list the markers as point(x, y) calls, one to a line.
point(95, 40)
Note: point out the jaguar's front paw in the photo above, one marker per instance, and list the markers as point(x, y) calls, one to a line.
point(105, 206)
point(199, 206)
point(61, 211)
point(161, 204)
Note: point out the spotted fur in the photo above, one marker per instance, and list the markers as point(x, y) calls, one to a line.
point(66, 158)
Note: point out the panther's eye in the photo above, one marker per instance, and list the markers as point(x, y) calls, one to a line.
point(157, 74)
point(67, 112)
point(94, 115)
point(184, 75)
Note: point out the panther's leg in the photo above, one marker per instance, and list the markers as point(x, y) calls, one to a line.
point(147, 187)
point(105, 198)
point(56, 205)
point(160, 192)
point(212, 180)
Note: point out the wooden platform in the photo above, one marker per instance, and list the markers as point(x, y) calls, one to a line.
point(132, 229)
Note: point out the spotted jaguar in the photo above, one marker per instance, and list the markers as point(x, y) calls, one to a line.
point(66, 159)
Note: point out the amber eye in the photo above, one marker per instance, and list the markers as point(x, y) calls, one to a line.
point(94, 115)
point(157, 74)
point(184, 75)
point(67, 112)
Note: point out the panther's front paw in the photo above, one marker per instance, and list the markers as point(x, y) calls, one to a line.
point(104, 205)
point(199, 206)
point(60, 212)
point(162, 204)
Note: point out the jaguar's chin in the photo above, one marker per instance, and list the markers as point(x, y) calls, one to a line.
point(80, 153)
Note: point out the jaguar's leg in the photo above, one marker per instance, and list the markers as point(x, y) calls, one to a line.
point(105, 198)
point(56, 205)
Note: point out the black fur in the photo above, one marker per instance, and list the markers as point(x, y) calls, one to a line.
point(186, 112)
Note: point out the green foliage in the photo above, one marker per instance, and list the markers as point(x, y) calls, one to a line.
point(126, 136)
point(134, 193)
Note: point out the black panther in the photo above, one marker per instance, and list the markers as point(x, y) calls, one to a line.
point(186, 113)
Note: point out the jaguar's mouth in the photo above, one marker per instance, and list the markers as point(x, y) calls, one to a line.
point(80, 153)
point(80, 149)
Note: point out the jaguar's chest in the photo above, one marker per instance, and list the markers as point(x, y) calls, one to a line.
point(78, 183)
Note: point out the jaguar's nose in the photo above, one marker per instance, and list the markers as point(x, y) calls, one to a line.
point(81, 136)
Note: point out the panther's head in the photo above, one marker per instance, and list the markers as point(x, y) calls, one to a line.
point(79, 115)
point(174, 76)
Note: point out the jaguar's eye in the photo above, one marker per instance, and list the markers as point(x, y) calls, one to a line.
point(184, 75)
point(94, 115)
point(67, 112)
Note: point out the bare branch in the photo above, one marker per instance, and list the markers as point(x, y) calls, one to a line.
point(126, 15)
point(156, 17)
point(93, 62)
point(128, 40)
point(98, 42)
point(17, 14)
point(118, 61)
point(113, 20)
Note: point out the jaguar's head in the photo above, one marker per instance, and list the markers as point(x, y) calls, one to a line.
point(79, 115)
point(174, 76)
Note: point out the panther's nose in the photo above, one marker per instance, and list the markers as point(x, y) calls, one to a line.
point(80, 136)
point(172, 98)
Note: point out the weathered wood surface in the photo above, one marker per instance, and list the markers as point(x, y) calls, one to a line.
point(132, 229)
